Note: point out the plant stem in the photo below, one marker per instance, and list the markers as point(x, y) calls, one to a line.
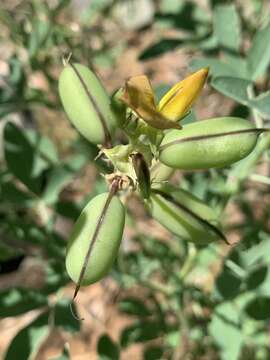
point(260, 178)
point(156, 286)
point(257, 117)
point(189, 262)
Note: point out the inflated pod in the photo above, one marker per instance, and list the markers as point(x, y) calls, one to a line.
point(208, 144)
point(87, 104)
point(160, 172)
point(184, 215)
point(95, 239)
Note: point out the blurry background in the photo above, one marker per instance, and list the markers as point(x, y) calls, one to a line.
point(163, 299)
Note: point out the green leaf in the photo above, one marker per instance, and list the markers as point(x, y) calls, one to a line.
point(227, 27)
point(45, 152)
point(38, 35)
point(16, 301)
point(217, 67)
point(141, 331)
point(27, 342)
point(228, 284)
point(262, 103)
point(233, 87)
point(63, 317)
point(226, 331)
point(258, 252)
point(12, 194)
point(238, 63)
point(236, 88)
point(259, 53)
point(7, 252)
point(19, 155)
point(134, 306)
point(107, 349)
point(162, 47)
point(58, 178)
point(256, 277)
point(153, 353)
point(259, 308)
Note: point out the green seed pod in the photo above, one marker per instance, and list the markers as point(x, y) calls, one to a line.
point(87, 104)
point(184, 215)
point(118, 107)
point(160, 172)
point(208, 144)
point(143, 175)
point(95, 239)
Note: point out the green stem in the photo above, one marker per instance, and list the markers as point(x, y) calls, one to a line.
point(189, 262)
point(156, 286)
point(256, 114)
point(260, 178)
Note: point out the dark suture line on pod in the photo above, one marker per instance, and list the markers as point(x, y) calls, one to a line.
point(206, 137)
point(108, 140)
point(169, 198)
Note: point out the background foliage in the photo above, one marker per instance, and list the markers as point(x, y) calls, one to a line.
point(178, 301)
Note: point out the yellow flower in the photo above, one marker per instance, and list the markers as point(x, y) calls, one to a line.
point(175, 104)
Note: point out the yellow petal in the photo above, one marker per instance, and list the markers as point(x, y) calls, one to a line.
point(139, 96)
point(179, 99)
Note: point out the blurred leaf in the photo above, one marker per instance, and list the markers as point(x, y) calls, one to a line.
point(227, 28)
point(226, 330)
point(16, 301)
point(262, 103)
point(31, 234)
point(63, 317)
point(228, 284)
point(256, 277)
point(141, 331)
point(68, 209)
point(232, 87)
point(45, 153)
point(217, 67)
point(107, 349)
point(7, 252)
point(153, 353)
point(59, 176)
point(259, 53)
point(238, 63)
point(12, 194)
point(189, 17)
point(161, 47)
point(43, 146)
point(259, 252)
point(170, 6)
point(19, 156)
point(259, 308)
point(160, 91)
point(56, 277)
point(236, 89)
point(27, 342)
point(38, 35)
point(189, 118)
point(134, 306)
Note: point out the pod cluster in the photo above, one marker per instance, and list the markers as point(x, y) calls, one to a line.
point(212, 143)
